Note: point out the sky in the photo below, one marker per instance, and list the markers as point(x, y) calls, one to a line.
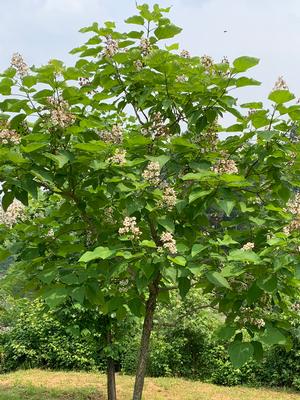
point(268, 29)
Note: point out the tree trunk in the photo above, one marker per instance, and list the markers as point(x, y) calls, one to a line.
point(145, 340)
point(111, 373)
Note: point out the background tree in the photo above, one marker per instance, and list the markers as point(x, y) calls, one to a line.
point(148, 194)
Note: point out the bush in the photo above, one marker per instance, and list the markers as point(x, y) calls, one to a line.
point(281, 367)
point(38, 339)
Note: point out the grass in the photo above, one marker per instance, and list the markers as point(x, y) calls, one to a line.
point(48, 385)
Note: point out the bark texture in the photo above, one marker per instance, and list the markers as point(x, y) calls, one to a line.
point(145, 340)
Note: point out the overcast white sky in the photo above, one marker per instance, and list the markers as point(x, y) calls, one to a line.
point(267, 29)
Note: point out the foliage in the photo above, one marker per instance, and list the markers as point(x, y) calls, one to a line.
point(138, 202)
point(37, 339)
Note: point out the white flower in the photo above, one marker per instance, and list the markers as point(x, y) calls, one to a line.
point(185, 54)
point(181, 78)
point(145, 46)
point(293, 206)
point(114, 136)
point(280, 84)
point(130, 226)
point(169, 198)
point(248, 246)
point(111, 47)
point(207, 62)
point(8, 136)
point(138, 65)
point(14, 213)
point(225, 167)
point(60, 115)
point(119, 157)
point(50, 234)
point(169, 242)
point(260, 323)
point(19, 64)
point(152, 173)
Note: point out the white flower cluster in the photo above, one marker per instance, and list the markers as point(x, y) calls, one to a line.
point(247, 311)
point(129, 226)
point(259, 322)
point(181, 78)
point(296, 307)
point(114, 136)
point(293, 206)
point(185, 54)
point(14, 213)
point(225, 60)
point(145, 46)
point(59, 115)
point(119, 157)
point(138, 65)
point(109, 215)
point(292, 226)
point(19, 64)
point(280, 84)
point(225, 167)
point(123, 288)
point(169, 198)
point(8, 136)
point(248, 246)
point(111, 47)
point(84, 82)
point(50, 234)
point(207, 62)
point(168, 242)
point(158, 127)
point(152, 173)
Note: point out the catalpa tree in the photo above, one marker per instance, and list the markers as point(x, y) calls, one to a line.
point(142, 194)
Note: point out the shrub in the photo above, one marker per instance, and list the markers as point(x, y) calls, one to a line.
point(38, 339)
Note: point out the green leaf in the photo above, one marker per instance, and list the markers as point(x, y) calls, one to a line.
point(268, 284)
point(136, 307)
point(226, 332)
point(179, 260)
point(4, 254)
point(197, 248)
point(198, 176)
point(148, 243)
point(226, 241)
point(226, 206)
point(167, 31)
point(198, 194)
point(184, 285)
point(69, 279)
point(253, 105)
point(98, 252)
point(5, 86)
point(167, 223)
point(135, 19)
point(55, 297)
point(281, 96)
point(243, 256)
point(258, 351)
point(273, 336)
point(7, 199)
point(162, 160)
point(243, 63)
point(33, 147)
point(243, 81)
point(217, 279)
point(240, 353)
point(60, 159)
